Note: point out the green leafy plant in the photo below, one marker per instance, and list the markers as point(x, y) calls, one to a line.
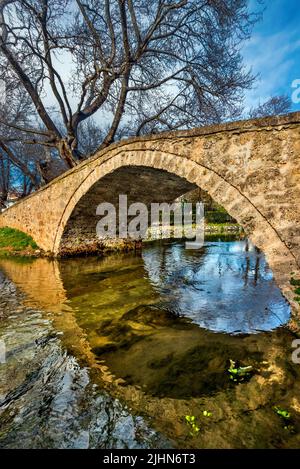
point(282, 413)
point(296, 283)
point(286, 418)
point(191, 422)
point(239, 374)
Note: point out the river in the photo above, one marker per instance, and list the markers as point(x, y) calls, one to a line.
point(122, 351)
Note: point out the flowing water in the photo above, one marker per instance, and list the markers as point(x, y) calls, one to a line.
point(116, 351)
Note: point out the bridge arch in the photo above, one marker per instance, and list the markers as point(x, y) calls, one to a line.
point(239, 206)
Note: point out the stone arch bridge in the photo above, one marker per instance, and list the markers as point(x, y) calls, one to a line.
point(251, 168)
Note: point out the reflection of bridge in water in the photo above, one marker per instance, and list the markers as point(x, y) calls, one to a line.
point(175, 368)
point(224, 287)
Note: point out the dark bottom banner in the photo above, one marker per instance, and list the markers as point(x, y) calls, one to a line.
point(152, 458)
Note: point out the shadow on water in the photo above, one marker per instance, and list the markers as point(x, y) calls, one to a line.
point(158, 331)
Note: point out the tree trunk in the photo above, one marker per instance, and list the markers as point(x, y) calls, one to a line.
point(68, 154)
point(3, 200)
point(51, 167)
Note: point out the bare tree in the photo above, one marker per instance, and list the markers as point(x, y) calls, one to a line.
point(275, 106)
point(13, 179)
point(4, 179)
point(137, 66)
point(90, 137)
point(17, 113)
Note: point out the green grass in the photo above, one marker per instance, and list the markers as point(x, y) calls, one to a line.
point(218, 217)
point(221, 225)
point(15, 240)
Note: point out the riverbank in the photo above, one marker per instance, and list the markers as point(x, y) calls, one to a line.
point(16, 243)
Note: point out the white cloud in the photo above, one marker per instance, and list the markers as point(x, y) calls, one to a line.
point(274, 58)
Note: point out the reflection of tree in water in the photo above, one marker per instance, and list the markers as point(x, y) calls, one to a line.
point(256, 269)
point(172, 269)
point(246, 271)
point(225, 286)
point(256, 254)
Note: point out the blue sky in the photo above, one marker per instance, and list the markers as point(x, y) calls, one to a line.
point(274, 51)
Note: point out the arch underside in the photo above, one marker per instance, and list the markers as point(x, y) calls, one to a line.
point(162, 177)
point(138, 183)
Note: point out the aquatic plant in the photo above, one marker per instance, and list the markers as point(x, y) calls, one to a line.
point(295, 282)
point(286, 417)
point(239, 374)
point(191, 422)
point(282, 413)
